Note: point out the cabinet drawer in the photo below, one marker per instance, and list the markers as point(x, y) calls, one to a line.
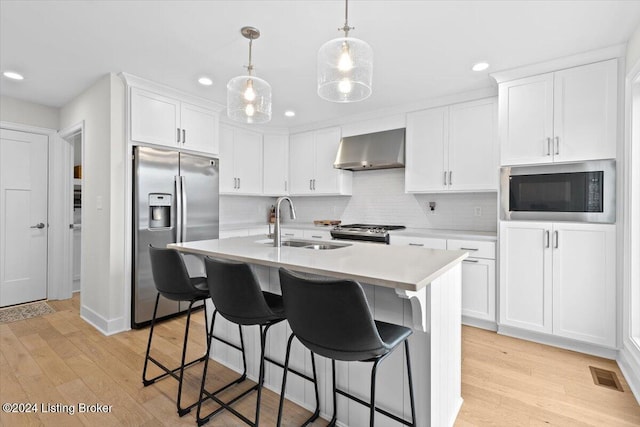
point(317, 234)
point(426, 242)
point(290, 233)
point(477, 249)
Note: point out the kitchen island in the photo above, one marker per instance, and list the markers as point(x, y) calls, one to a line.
point(411, 286)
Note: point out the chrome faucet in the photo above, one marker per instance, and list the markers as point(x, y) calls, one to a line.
point(277, 239)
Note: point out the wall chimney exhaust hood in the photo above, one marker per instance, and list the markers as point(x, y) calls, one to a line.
point(380, 150)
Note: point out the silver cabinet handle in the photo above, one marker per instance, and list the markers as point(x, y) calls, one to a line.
point(316, 237)
point(314, 184)
point(557, 238)
point(557, 139)
point(239, 185)
point(445, 178)
point(416, 244)
point(178, 134)
point(546, 238)
point(288, 234)
point(548, 146)
point(310, 188)
point(184, 136)
point(235, 183)
point(469, 249)
point(450, 175)
point(470, 260)
point(38, 225)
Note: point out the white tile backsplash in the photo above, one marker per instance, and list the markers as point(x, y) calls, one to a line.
point(379, 198)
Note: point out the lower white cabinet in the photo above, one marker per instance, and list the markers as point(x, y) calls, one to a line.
point(559, 278)
point(426, 242)
point(478, 281)
point(317, 234)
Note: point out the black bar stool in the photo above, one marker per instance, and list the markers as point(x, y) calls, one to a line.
point(237, 296)
point(173, 282)
point(331, 318)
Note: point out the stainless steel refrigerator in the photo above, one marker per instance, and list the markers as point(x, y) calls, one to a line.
point(175, 199)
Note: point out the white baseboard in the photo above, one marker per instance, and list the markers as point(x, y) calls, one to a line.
point(629, 362)
point(566, 343)
point(479, 323)
point(106, 326)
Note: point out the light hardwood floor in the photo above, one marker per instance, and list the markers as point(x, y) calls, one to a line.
point(58, 358)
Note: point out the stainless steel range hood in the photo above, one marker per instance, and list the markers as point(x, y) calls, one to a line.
point(380, 150)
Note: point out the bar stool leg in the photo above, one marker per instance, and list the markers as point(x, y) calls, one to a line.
point(206, 365)
point(146, 382)
point(334, 418)
point(316, 413)
point(183, 411)
point(263, 341)
point(410, 378)
point(372, 407)
point(284, 380)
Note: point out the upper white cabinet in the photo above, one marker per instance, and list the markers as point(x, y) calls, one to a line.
point(568, 115)
point(559, 278)
point(275, 165)
point(166, 120)
point(311, 158)
point(240, 161)
point(453, 148)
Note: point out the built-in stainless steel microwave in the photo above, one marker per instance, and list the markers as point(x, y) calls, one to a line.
point(582, 192)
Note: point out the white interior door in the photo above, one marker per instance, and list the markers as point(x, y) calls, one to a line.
point(23, 217)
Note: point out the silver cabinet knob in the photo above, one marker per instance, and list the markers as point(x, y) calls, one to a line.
point(39, 225)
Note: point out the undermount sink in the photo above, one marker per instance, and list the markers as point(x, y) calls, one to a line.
point(306, 244)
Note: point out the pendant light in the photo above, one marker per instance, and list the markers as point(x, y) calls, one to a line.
point(345, 67)
point(248, 96)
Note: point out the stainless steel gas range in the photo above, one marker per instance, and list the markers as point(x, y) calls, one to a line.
point(364, 232)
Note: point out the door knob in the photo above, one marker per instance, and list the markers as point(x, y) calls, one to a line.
point(39, 225)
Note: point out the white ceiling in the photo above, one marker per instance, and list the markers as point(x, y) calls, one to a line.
point(422, 49)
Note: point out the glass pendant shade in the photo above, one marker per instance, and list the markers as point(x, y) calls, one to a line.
point(249, 99)
point(345, 70)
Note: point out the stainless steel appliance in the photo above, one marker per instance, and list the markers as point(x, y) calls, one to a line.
point(364, 232)
point(582, 192)
point(380, 150)
point(176, 199)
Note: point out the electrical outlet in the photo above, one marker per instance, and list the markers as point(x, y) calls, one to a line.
point(432, 207)
point(477, 211)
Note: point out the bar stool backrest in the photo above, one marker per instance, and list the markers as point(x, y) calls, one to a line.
point(170, 275)
point(236, 293)
point(331, 317)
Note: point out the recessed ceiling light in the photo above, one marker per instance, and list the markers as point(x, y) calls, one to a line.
point(205, 81)
point(480, 66)
point(13, 75)
point(290, 113)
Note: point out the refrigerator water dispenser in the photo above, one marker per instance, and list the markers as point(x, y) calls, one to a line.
point(159, 210)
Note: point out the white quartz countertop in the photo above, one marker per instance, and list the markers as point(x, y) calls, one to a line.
point(400, 267)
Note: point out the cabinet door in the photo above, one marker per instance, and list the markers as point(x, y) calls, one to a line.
point(248, 161)
point(479, 288)
point(584, 282)
point(228, 182)
point(585, 112)
point(154, 118)
point(327, 178)
point(275, 165)
point(526, 120)
point(473, 157)
point(200, 127)
point(301, 163)
point(525, 275)
point(425, 150)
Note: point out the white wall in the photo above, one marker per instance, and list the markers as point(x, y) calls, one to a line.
point(101, 107)
point(27, 113)
point(379, 198)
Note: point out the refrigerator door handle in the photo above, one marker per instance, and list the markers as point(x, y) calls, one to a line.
point(183, 189)
point(178, 223)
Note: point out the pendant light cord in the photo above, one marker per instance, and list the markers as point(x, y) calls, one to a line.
point(346, 27)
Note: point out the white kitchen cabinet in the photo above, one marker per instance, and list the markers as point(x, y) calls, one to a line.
point(478, 281)
point(311, 158)
point(291, 233)
point(240, 161)
point(584, 282)
point(559, 278)
point(564, 116)
point(453, 148)
point(275, 165)
point(425, 242)
point(165, 120)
